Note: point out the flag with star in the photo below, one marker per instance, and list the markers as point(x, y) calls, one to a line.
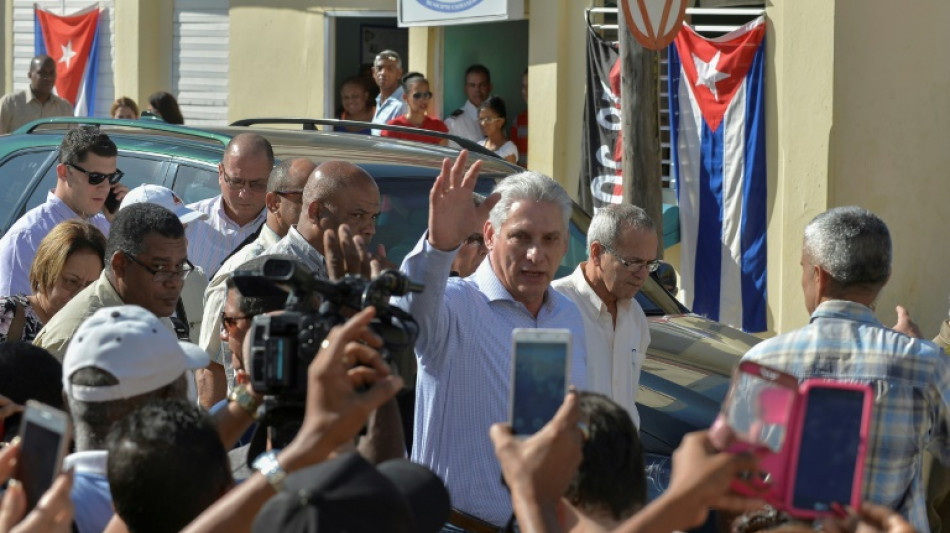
point(717, 115)
point(73, 43)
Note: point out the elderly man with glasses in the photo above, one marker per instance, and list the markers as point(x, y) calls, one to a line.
point(238, 211)
point(146, 265)
point(85, 175)
point(622, 247)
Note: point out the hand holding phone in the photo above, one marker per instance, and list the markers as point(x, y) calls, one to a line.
point(540, 365)
point(44, 434)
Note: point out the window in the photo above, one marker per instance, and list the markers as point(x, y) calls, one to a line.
point(193, 183)
point(16, 176)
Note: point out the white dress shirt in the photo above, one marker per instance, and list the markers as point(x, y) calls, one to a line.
point(465, 124)
point(615, 355)
point(211, 241)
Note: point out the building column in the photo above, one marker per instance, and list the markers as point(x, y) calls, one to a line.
point(143, 60)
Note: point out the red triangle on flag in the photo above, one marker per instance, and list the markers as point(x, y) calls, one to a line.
point(69, 42)
point(715, 68)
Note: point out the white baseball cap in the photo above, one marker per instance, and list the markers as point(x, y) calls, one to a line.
point(133, 345)
point(165, 197)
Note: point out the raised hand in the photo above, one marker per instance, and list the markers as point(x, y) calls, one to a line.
point(452, 211)
point(346, 253)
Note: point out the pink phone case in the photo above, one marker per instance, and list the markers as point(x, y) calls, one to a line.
point(795, 447)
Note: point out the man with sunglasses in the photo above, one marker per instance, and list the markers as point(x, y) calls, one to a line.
point(146, 265)
point(86, 173)
point(622, 247)
point(238, 211)
point(283, 203)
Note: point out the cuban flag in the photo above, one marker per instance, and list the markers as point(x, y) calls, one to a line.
point(717, 110)
point(73, 43)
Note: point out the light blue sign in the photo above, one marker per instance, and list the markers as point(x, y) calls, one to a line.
point(449, 6)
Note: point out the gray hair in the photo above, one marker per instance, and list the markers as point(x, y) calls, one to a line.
point(611, 220)
point(390, 55)
point(532, 187)
point(280, 176)
point(851, 244)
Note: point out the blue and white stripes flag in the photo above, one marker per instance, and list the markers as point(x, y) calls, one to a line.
point(73, 43)
point(717, 110)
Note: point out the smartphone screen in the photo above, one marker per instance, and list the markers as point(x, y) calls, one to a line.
point(539, 381)
point(43, 433)
point(830, 444)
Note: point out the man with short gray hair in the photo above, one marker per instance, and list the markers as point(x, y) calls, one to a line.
point(846, 261)
point(465, 325)
point(622, 248)
point(387, 72)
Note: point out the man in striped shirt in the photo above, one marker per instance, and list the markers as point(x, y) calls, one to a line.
point(239, 210)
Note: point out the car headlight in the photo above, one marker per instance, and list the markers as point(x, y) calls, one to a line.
point(658, 469)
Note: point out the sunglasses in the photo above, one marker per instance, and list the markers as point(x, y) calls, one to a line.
point(231, 322)
point(95, 178)
point(418, 96)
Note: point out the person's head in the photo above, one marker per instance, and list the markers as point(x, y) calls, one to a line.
point(387, 71)
point(147, 257)
point(492, 115)
point(124, 107)
point(239, 310)
point(417, 94)
point(166, 465)
point(477, 84)
point(526, 234)
point(355, 96)
point(337, 193)
point(243, 174)
point(68, 259)
point(42, 75)
point(165, 197)
point(846, 254)
point(284, 199)
point(165, 106)
point(119, 359)
point(86, 169)
point(28, 372)
point(610, 484)
point(472, 250)
point(622, 247)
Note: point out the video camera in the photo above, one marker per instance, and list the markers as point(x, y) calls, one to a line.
point(283, 345)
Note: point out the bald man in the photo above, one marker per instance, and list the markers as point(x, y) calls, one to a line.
point(336, 193)
point(37, 100)
point(283, 203)
point(239, 210)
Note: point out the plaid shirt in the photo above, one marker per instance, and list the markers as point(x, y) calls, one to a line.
point(911, 380)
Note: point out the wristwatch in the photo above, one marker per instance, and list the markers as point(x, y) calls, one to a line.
point(245, 400)
point(267, 464)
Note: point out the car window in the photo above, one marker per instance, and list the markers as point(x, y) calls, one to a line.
point(193, 183)
point(16, 174)
point(137, 169)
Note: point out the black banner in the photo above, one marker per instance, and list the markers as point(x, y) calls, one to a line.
point(601, 182)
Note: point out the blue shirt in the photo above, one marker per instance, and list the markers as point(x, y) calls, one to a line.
point(211, 241)
point(18, 246)
point(911, 380)
point(464, 374)
point(91, 497)
point(389, 109)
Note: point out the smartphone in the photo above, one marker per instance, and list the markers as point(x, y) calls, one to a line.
point(112, 203)
point(44, 431)
point(828, 461)
point(540, 366)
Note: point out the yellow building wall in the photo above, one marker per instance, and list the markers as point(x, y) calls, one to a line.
point(145, 29)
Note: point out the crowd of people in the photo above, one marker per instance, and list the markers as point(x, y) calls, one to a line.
point(111, 316)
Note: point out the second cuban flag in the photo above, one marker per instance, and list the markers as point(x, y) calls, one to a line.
point(73, 43)
point(717, 110)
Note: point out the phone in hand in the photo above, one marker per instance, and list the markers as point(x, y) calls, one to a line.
point(44, 431)
point(540, 366)
point(112, 203)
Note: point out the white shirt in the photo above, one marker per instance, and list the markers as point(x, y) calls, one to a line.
point(465, 124)
point(212, 240)
point(504, 150)
point(615, 355)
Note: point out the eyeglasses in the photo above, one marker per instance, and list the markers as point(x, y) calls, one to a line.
point(636, 264)
point(230, 322)
point(288, 193)
point(163, 276)
point(489, 120)
point(475, 238)
point(95, 178)
point(419, 96)
point(259, 185)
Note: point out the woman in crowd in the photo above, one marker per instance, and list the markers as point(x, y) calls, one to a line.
point(165, 106)
point(491, 116)
point(417, 96)
point(124, 107)
point(67, 260)
point(357, 104)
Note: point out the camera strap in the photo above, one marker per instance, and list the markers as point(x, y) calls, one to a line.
point(180, 322)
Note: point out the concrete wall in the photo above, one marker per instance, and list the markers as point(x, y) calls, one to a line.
point(143, 61)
